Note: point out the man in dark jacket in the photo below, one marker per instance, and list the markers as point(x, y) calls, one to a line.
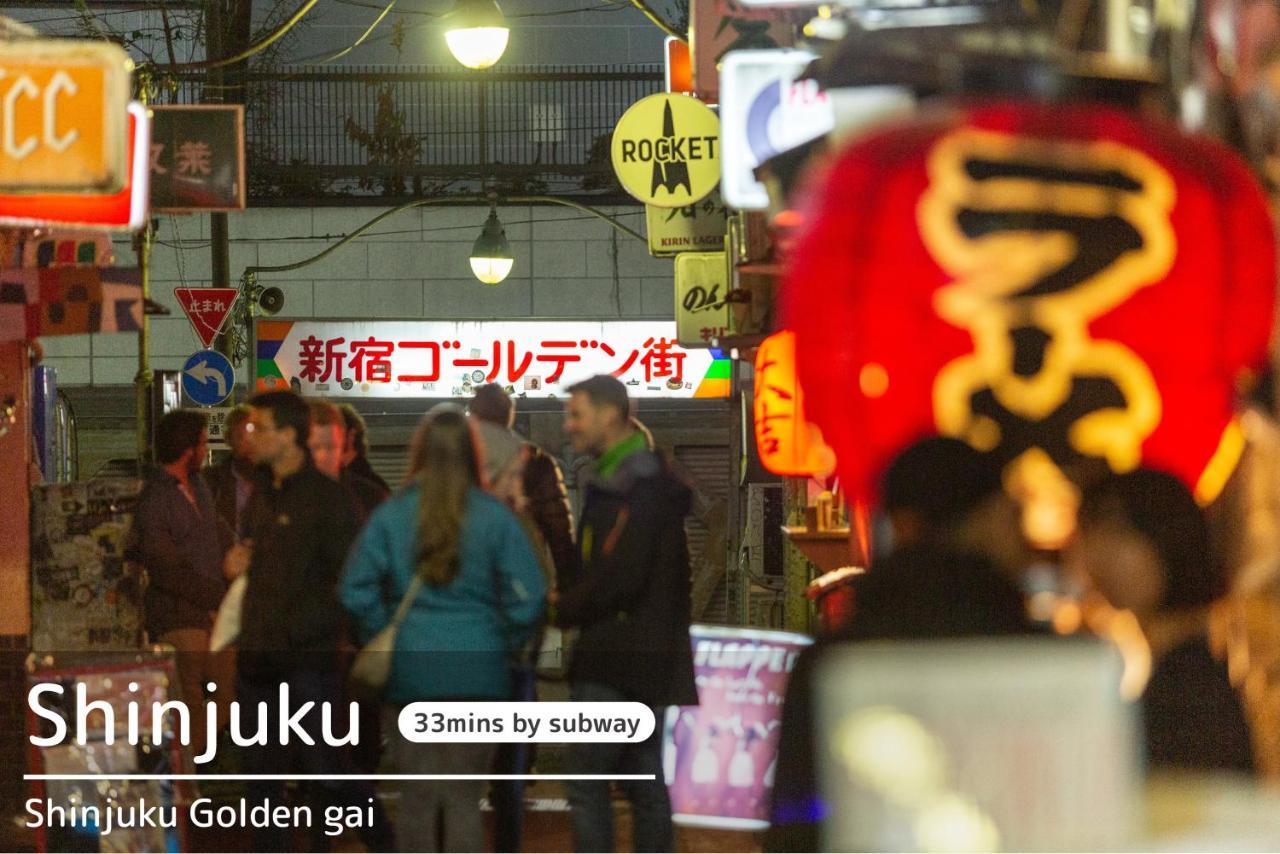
point(543, 485)
point(355, 457)
point(957, 550)
point(546, 505)
point(180, 543)
point(632, 604)
point(327, 444)
point(299, 525)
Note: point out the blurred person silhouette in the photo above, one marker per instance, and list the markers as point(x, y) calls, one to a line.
point(232, 479)
point(181, 544)
point(505, 458)
point(328, 446)
point(462, 560)
point(1144, 545)
point(542, 483)
point(355, 455)
point(956, 548)
point(298, 528)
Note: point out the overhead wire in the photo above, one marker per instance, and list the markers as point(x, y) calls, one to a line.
point(94, 14)
point(346, 50)
point(432, 17)
point(271, 39)
point(200, 243)
point(656, 19)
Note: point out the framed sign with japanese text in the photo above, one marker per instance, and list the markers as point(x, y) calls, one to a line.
point(436, 359)
point(197, 158)
point(702, 305)
point(698, 227)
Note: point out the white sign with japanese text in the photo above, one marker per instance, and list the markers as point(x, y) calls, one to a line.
point(217, 420)
point(698, 227)
point(435, 359)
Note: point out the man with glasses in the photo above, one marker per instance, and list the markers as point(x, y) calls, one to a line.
point(299, 525)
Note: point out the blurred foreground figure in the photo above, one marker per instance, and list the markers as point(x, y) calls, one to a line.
point(1144, 544)
point(542, 483)
point(181, 544)
point(328, 444)
point(475, 595)
point(956, 544)
point(355, 455)
point(505, 458)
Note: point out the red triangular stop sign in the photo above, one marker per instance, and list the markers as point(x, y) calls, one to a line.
point(207, 309)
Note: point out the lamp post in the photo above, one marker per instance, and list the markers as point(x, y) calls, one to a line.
point(476, 32)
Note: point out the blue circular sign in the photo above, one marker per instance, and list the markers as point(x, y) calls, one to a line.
point(207, 377)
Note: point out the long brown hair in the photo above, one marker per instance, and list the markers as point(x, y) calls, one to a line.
point(445, 462)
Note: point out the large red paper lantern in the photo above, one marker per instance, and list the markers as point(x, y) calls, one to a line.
point(1066, 282)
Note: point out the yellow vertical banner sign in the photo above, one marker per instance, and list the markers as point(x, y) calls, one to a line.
point(702, 310)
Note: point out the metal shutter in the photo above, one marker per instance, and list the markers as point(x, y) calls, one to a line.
point(709, 468)
point(391, 462)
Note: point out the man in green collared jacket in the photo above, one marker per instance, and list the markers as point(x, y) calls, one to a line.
point(632, 606)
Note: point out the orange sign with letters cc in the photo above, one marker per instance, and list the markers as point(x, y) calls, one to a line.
point(63, 114)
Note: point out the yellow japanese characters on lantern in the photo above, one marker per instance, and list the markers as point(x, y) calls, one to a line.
point(787, 443)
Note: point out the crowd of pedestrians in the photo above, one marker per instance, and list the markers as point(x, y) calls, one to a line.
point(475, 558)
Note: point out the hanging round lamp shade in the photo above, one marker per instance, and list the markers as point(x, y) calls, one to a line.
point(491, 258)
point(476, 32)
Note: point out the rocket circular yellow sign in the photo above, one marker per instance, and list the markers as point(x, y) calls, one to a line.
point(666, 150)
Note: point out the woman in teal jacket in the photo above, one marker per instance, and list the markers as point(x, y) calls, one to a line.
point(482, 598)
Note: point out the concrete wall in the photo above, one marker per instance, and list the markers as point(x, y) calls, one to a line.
point(412, 265)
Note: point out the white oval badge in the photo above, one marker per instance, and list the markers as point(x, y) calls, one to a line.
point(514, 722)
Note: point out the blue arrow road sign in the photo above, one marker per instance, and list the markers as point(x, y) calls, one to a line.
point(207, 377)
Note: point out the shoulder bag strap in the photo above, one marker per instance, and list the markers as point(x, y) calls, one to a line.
point(407, 602)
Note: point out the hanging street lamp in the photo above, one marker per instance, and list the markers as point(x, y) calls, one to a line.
point(491, 257)
point(476, 32)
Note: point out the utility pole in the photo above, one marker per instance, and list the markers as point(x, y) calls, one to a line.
point(219, 236)
point(144, 378)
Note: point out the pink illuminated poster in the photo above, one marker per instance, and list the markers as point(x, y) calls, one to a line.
point(719, 757)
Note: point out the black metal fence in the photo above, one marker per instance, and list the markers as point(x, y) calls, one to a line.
point(316, 134)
